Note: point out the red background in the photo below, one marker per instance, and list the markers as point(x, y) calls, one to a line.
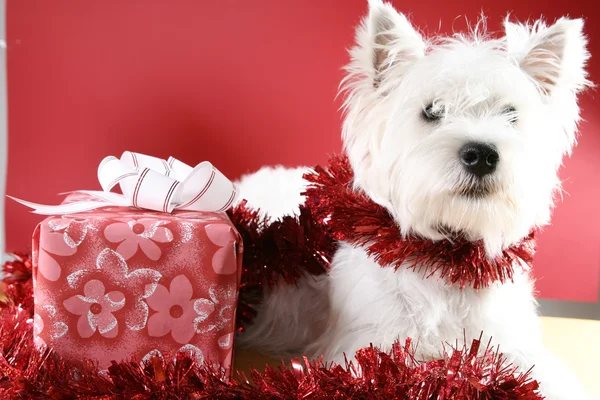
point(241, 83)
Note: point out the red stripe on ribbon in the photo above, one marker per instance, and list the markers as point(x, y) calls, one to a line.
point(107, 159)
point(117, 179)
point(169, 195)
point(204, 190)
point(135, 161)
point(166, 166)
point(138, 185)
point(229, 202)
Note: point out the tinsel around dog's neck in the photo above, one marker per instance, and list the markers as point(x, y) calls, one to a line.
point(352, 217)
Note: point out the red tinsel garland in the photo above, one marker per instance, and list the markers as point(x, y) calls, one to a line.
point(277, 251)
point(351, 216)
point(25, 373)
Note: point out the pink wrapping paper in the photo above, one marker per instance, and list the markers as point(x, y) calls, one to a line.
point(122, 283)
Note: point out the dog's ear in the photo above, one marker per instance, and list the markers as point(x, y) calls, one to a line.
point(554, 56)
point(386, 40)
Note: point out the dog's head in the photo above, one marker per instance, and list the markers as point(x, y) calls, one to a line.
point(463, 133)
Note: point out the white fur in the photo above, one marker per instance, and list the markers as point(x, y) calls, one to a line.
point(411, 167)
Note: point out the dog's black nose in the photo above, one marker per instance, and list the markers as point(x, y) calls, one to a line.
point(479, 159)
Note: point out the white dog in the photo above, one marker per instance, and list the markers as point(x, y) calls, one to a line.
point(462, 133)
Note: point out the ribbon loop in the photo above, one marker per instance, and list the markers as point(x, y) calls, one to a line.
point(151, 183)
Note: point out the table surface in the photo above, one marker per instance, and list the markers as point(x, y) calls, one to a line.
point(576, 342)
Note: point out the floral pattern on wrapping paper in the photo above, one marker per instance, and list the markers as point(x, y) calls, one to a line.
point(57, 329)
point(74, 229)
point(223, 300)
point(143, 233)
point(96, 308)
point(223, 261)
point(65, 236)
point(176, 312)
point(135, 286)
point(225, 342)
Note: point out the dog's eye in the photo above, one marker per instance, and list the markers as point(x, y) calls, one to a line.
point(433, 113)
point(511, 113)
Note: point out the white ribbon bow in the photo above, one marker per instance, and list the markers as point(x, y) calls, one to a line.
point(151, 183)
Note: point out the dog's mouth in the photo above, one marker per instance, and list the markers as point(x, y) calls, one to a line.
point(449, 232)
point(476, 190)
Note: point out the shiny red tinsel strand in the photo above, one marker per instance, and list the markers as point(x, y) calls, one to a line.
point(351, 216)
point(18, 285)
point(27, 373)
point(277, 251)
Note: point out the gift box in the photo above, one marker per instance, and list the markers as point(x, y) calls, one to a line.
point(116, 283)
point(119, 283)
